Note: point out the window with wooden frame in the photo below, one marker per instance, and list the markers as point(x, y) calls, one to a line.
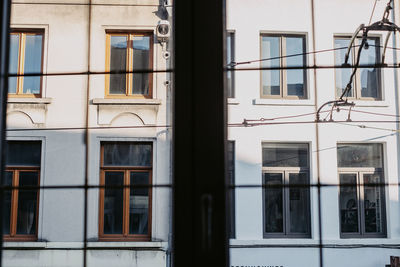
point(26, 57)
point(125, 200)
point(283, 50)
point(362, 194)
point(21, 205)
point(367, 81)
point(128, 52)
point(286, 191)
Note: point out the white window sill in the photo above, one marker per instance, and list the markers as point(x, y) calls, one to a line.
point(22, 100)
point(79, 245)
point(233, 101)
point(283, 102)
point(128, 101)
point(236, 243)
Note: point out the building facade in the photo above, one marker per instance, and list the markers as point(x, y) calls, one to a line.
point(279, 225)
point(123, 118)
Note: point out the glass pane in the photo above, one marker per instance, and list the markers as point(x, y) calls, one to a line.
point(118, 63)
point(127, 154)
point(295, 78)
point(141, 61)
point(7, 203)
point(348, 203)
point(23, 153)
point(273, 208)
point(231, 195)
point(113, 203)
point(370, 76)
point(299, 203)
point(27, 203)
point(360, 155)
point(139, 204)
point(374, 198)
point(33, 63)
point(230, 58)
point(288, 155)
point(342, 75)
point(13, 64)
point(270, 79)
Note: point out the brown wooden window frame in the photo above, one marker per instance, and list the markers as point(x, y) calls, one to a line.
point(125, 236)
point(13, 236)
point(129, 63)
point(21, 59)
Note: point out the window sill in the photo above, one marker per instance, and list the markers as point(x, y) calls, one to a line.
point(283, 102)
point(20, 100)
point(121, 101)
point(233, 101)
point(79, 245)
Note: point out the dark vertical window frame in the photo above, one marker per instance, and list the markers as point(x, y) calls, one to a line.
point(200, 236)
point(231, 193)
point(5, 10)
point(230, 54)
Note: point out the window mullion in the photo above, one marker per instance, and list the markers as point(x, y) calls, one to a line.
point(286, 215)
point(361, 202)
point(126, 204)
point(357, 78)
point(129, 68)
point(21, 58)
point(282, 52)
point(14, 204)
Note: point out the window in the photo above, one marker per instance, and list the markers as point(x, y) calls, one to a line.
point(129, 52)
point(367, 82)
point(26, 50)
point(21, 205)
point(362, 200)
point(290, 83)
point(125, 201)
point(286, 208)
point(231, 195)
point(230, 58)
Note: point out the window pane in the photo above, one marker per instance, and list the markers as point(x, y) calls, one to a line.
point(27, 203)
point(13, 64)
point(33, 63)
point(7, 203)
point(141, 61)
point(23, 153)
point(118, 63)
point(127, 154)
point(231, 195)
point(139, 204)
point(360, 155)
point(113, 203)
point(270, 78)
point(299, 203)
point(295, 78)
point(374, 197)
point(342, 75)
point(273, 203)
point(348, 203)
point(370, 76)
point(230, 57)
point(287, 155)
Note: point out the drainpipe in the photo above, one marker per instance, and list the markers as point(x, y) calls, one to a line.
point(317, 134)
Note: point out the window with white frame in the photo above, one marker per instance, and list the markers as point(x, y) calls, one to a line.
point(286, 191)
point(362, 194)
point(282, 50)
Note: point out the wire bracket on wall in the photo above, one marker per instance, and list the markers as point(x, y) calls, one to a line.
point(383, 25)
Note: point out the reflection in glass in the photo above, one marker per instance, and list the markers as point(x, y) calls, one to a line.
point(299, 207)
point(230, 58)
point(127, 154)
point(141, 61)
point(270, 78)
point(285, 155)
point(23, 153)
point(33, 63)
point(113, 203)
point(13, 64)
point(342, 75)
point(139, 203)
point(295, 78)
point(360, 155)
point(348, 203)
point(27, 203)
point(273, 203)
point(370, 76)
point(118, 64)
point(7, 203)
point(373, 206)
